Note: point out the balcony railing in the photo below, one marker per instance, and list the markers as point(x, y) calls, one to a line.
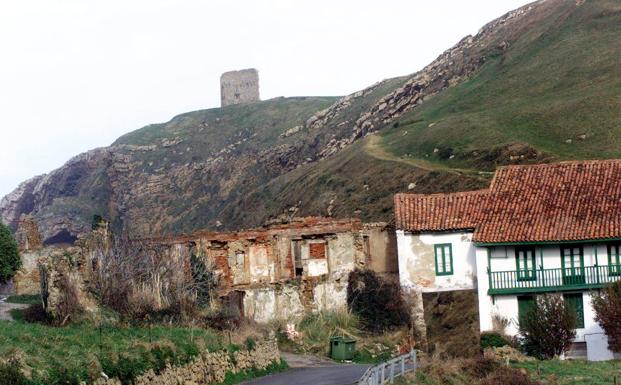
point(545, 280)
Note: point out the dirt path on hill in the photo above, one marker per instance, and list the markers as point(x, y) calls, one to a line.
point(374, 148)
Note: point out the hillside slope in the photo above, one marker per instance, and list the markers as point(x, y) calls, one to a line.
point(555, 93)
point(538, 84)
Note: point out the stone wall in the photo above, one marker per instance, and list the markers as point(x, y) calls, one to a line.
point(282, 271)
point(286, 270)
point(210, 367)
point(239, 87)
point(26, 280)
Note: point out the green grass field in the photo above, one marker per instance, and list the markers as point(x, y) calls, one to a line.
point(553, 372)
point(24, 299)
point(556, 89)
point(79, 352)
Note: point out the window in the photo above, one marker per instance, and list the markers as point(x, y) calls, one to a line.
point(614, 262)
point(572, 260)
point(574, 301)
point(525, 304)
point(296, 250)
point(444, 259)
point(525, 263)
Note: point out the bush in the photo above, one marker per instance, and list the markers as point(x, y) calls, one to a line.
point(479, 367)
point(607, 306)
point(36, 314)
point(548, 329)
point(509, 376)
point(9, 255)
point(11, 374)
point(377, 302)
point(250, 343)
point(223, 320)
point(493, 340)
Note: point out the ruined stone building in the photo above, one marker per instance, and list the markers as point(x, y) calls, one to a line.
point(281, 271)
point(285, 270)
point(239, 87)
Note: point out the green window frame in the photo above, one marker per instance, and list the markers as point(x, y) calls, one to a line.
point(525, 304)
point(572, 262)
point(444, 258)
point(614, 259)
point(576, 304)
point(525, 263)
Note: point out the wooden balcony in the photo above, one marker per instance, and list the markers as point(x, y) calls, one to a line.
point(550, 280)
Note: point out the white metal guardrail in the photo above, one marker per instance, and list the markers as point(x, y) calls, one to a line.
point(389, 370)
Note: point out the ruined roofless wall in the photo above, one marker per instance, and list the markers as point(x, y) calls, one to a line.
point(238, 87)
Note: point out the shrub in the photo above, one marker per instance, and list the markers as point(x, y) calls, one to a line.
point(35, 313)
point(607, 306)
point(11, 374)
point(9, 255)
point(250, 343)
point(377, 302)
point(548, 329)
point(493, 340)
point(508, 376)
point(223, 320)
point(479, 367)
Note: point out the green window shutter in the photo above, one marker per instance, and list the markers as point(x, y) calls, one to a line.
point(444, 258)
point(525, 263)
point(614, 262)
point(574, 301)
point(525, 304)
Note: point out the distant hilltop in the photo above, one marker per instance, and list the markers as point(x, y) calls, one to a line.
point(239, 87)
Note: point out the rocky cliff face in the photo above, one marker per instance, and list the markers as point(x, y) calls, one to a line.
point(194, 171)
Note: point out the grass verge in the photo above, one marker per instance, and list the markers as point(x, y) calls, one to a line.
point(316, 329)
point(77, 353)
point(249, 374)
point(26, 299)
point(552, 372)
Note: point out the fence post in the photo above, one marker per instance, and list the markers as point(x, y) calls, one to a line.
point(383, 373)
point(392, 371)
point(402, 365)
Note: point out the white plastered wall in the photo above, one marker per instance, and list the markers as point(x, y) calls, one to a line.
point(417, 261)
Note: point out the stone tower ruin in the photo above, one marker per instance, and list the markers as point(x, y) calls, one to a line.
point(237, 87)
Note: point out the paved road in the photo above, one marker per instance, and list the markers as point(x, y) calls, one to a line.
point(327, 375)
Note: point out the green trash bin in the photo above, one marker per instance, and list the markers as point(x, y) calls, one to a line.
point(342, 348)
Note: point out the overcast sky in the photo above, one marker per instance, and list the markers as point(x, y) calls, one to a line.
point(76, 74)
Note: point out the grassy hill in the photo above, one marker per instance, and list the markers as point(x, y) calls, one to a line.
point(540, 84)
point(554, 94)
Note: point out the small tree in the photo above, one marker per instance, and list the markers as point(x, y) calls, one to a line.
point(607, 306)
point(548, 329)
point(378, 302)
point(9, 255)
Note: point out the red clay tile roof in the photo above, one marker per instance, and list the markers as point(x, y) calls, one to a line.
point(438, 212)
point(568, 201)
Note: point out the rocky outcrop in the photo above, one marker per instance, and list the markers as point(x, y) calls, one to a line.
point(452, 67)
point(197, 170)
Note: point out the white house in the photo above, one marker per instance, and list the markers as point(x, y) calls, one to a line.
point(537, 229)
